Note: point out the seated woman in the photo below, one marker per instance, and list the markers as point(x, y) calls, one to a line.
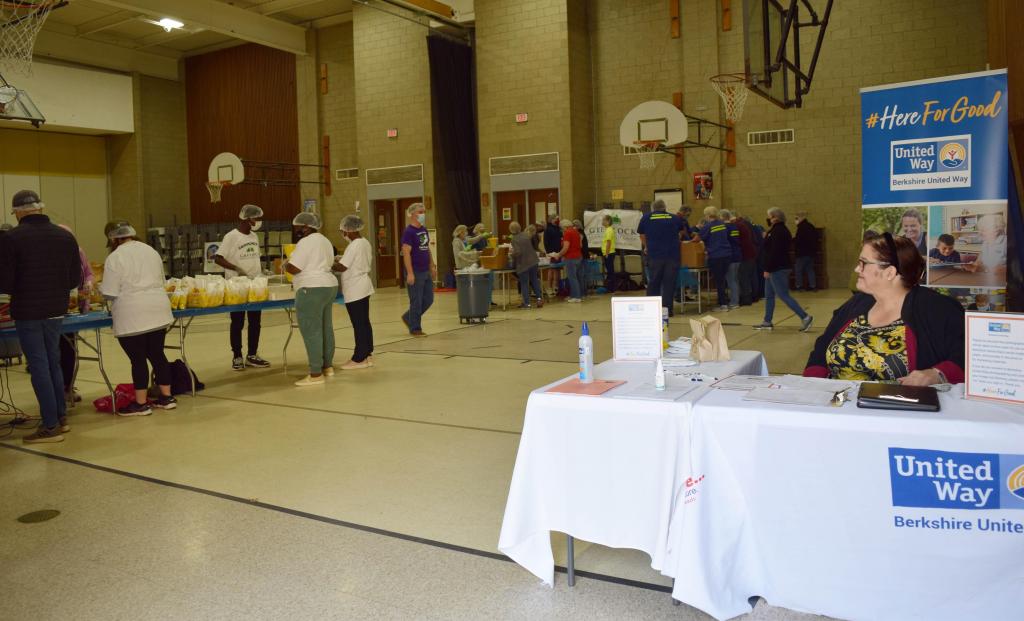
point(893, 329)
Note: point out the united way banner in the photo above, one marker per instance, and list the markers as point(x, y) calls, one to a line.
point(935, 140)
point(935, 166)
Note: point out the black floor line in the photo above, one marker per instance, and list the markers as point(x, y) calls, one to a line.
point(328, 520)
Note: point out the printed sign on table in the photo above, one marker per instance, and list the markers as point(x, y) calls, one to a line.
point(994, 357)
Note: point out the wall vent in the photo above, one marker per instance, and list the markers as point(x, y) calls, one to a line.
point(394, 174)
point(344, 174)
point(774, 136)
point(519, 164)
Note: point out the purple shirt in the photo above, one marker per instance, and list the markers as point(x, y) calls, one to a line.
point(419, 240)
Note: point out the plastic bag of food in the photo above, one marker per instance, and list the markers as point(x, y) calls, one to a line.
point(214, 295)
point(236, 291)
point(182, 293)
point(259, 290)
point(171, 284)
point(196, 292)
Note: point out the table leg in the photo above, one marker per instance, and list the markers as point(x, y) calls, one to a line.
point(570, 563)
point(504, 286)
point(98, 349)
point(70, 390)
point(291, 329)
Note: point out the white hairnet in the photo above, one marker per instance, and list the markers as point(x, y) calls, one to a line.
point(249, 212)
point(351, 223)
point(123, 229)
point(307, 218)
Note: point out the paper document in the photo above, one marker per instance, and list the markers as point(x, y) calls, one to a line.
point(744, 382)
point(648, 392)
point(593, 389)
point(636, 328)
point(813, 383)
point(791, 396)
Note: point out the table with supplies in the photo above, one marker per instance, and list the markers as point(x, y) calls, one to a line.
point(841, 511)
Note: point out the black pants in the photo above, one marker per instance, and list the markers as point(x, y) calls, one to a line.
point(662, 280)
point(359, 315)
point(610, 281)
point(67, 358)
point(719, 267)
point(147, 346)
point(747, 282)
point(237, 319)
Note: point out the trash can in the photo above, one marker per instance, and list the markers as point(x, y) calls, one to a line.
point(474, 291)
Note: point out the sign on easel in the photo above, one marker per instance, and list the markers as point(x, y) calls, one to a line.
point(994, 357)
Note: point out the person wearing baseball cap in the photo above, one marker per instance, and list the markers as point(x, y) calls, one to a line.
point(39, 266)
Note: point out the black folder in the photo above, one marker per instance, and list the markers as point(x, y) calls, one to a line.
point(897, 397)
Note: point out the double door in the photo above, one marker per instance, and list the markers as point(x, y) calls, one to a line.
point(389, 222)
point(524, 207)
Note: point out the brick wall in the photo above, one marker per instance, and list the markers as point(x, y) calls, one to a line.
point(581, 104)
point(164, 151)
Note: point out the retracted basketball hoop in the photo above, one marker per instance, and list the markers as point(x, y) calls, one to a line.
point(20, 22)
point(732, 88)
point(214, 188)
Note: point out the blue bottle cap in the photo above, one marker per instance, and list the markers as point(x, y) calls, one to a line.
point(586, 330)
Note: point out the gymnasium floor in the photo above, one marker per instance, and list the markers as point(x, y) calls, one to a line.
point(379, 495)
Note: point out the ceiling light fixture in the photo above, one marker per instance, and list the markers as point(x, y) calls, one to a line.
point(169, 24)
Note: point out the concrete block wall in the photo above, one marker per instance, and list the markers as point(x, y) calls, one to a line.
point(522, 65)
point(868, 42)
point(164, 151)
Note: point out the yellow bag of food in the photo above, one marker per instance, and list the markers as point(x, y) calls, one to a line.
point(259, 290)
point(236, 291)
point(214, 295)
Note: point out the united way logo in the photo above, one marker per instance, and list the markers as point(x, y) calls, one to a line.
point(952, 154)
point(951, 480)
point(1015, 482)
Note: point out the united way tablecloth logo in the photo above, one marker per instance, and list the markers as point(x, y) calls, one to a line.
point(943, 162)
point(949, 480)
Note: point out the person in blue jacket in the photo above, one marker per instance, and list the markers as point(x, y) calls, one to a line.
point(659, 237)
point(720, 248)
point(732, 277)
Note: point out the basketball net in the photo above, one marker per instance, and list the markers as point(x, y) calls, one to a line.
point(20, 21)
point(648, 150)
point(732, 88)
point(215, 187)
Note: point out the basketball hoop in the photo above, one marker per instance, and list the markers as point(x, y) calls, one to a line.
point(215, 187)
point(732, 87)
point(647, 149)
point(20, 21)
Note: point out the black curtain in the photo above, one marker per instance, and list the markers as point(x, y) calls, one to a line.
point(452, 85)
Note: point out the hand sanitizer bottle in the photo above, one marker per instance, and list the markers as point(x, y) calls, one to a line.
point(664, 328)
point(586, 346)
point(659, 375)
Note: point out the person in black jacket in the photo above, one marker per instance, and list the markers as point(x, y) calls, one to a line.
point(39, 266)
point(805, 247)
point(893, 329)
point(775, 253)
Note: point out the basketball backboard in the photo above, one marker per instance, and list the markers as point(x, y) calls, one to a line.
point(16, 105)
point(779, 64)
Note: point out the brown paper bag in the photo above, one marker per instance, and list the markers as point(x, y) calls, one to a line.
point(708, 343)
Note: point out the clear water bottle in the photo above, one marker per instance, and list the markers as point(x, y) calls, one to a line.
point(586, 346)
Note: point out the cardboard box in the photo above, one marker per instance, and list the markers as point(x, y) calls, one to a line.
point(691, 254)
point(495, 259)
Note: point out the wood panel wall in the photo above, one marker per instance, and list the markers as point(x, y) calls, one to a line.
point(241, 100)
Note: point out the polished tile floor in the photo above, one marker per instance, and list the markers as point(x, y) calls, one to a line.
point(377, 495)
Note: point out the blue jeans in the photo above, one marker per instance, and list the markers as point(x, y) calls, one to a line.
point(719, 269)
point(732, 277)
point(805, 265)
point(530, 278)
point(777, 284)
point(40, 342)
point(662, 280)
point(574, 272)
point(421, 296)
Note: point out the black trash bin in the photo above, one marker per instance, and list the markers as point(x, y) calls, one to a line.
point(474, 291)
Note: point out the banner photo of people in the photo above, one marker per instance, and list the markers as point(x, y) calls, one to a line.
point(935, 164)
point(703, 185)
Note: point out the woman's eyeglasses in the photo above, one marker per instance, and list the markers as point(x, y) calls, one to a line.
point(864, 263)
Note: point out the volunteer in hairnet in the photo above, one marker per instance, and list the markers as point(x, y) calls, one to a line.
point(316, 286)
point(357, 288)
point(133, 277)
point(239, 255)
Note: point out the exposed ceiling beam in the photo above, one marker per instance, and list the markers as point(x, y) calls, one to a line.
point(107, 21)
point(50, 44)
point(109, 39)
point(280, 6)
point(331, 20)
point(158, 38)
point(223, 18)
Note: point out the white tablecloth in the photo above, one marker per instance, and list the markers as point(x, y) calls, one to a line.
point(602, 469)
point(797, 505)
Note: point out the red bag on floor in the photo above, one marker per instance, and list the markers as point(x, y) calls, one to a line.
point(124, 394)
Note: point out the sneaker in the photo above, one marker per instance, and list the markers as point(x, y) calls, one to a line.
point(406, 321)
point(64, 426)
point(369, 360)
point(42, 434)
point(252, 360)
point(237, 363)
point(540, 303)
point(309, 380)
point(574, 301)
point(764, 325)
point(165, 403)
point(722, 309)
point(329, 371)
point(805, 323)
point(733, 307)
point(135, 409)
point(524, 306)
point(418, 333)
point(352, 365)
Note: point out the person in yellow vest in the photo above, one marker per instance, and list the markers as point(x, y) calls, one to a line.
point(608, 251)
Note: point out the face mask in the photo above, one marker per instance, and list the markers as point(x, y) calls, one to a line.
point(421, 218)
point(300, 233)
point(257, 225)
